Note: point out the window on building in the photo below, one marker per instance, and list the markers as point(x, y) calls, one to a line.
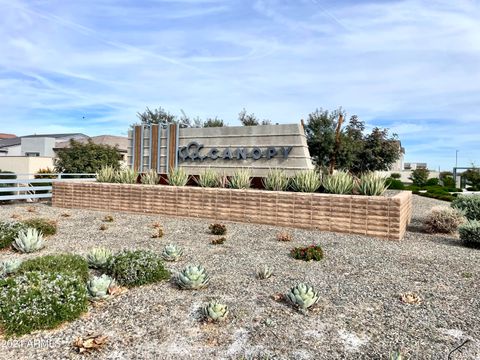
point(32, 154)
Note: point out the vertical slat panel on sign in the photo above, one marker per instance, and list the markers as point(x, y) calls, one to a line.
point(137, 147)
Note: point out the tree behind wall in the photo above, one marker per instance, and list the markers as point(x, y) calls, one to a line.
point(86, 157)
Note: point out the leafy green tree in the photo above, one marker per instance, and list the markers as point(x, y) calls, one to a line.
point(156, 116)
point(86, 157)
point(213, 122)
point(419, 177)
point(472, 176)
point(251, 120)
point(379, 152)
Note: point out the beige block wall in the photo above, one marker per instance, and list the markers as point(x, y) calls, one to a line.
point(378, 216)
point(25, 164)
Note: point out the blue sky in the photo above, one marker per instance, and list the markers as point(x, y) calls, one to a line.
point(89, 66)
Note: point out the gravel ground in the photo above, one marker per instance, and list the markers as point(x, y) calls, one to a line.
point(360, 280)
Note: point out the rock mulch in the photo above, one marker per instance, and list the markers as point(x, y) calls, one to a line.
point(360, 281)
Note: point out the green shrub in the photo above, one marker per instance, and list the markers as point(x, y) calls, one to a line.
point(37, 300)
point(339, 182)
point(371, 184)
point(448, 182)
point(312, 252)
point(44, 173)
point(396, 176)
point(9, 231)
point(443, 219)
point(470, 232)
point(210, 178)
point(150, 177)
point(177, 177)
point(217, 229)
point(470, 204)
point(432, 182)
point(419, 177)
point(7, 175)
point(241, 179)
point(62, 263)
point(394, 184)
point(139, 267)
point(45, 226)
point(306, 181)
point(276, 180)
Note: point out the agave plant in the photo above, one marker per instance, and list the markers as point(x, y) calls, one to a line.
point(340, 182)
point(372, 184)
point(302, 296)
point(126, 176)
point(150, 178)
point(99, 287)
point(192, 277)
point(172, 252)
point(98, 258)
point(241, 179)
point(306, 181)
point(107, 174)
point(8, 267)
point(215, 311)
point(28, 241)
point(210, 178)
point(276, 180)
point(177, 177)
point(264, 272)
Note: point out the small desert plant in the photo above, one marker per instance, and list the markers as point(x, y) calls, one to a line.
point(107, 174)
point(218, 241)
point(150, 178)
point(9, 231)
point(241, 179)
point(302, 296)
point(443, 219)
point(372, 184)
point(60, 263)
point(312, 252)
point(177, 177)
point(210, 178)
point(215, 311)
point(306, 181)
point(158, 232)
point(410, 298)
point(108, 218)
point(470, 232)
point(276, 180)
point(126, 176)
point(103, 227)
point(98, 258)
point(192, 278)
point(134, 268)
point(470, 204)
point(98, 287)
point(9, 267)
point(284, 236)
point(217, 229)
point(40, 300)
point(45, 226)
point(264, 272)
point(340, 182)
point(172, 252)
point(28, 241)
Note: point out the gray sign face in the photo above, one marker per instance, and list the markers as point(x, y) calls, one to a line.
point(196, 152)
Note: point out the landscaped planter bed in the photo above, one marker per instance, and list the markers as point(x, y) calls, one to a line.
point(378, 216)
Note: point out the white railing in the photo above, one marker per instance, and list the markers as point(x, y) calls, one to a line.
point(27, 187)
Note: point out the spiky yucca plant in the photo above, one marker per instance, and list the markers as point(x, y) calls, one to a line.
point(150, 177)
point(8, 267)
point(99, 287)
point(29, 241)
point(211, 178)
point(192, 278)
point(276, 180)
point(302, 296)
point(215, 311)
point(340, 182)
point(372, 184)
point(172, 252)
point(264, 272)
point(98, 258)
point(306, 181)
point(241, 179)
point(177, 177)
point(126, 176)
point(107, 174)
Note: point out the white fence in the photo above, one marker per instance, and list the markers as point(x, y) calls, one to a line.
point(27, 187)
